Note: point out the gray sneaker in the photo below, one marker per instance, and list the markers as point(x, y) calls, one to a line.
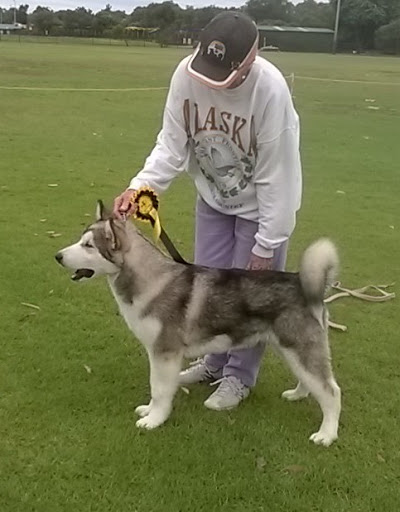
point(229, 394)
point(198, 371)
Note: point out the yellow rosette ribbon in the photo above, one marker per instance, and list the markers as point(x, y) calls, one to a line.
point(146, 205)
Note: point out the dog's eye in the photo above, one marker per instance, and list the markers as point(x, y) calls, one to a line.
point(89, 245)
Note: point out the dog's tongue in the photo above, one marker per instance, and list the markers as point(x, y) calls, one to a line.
point(82, 272)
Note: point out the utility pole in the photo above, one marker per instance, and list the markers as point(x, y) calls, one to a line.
point(15, 12)
point(335, 35)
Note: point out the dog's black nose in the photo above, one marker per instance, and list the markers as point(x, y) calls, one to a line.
point(59, 257)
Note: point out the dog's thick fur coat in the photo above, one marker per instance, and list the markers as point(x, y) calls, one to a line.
point(179, 311)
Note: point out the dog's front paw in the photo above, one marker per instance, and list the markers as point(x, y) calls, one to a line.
point(151, 421)
point(324, 438)
point(143, 410)
point(294, 394)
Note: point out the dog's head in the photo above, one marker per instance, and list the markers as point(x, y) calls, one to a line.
point(100, 249)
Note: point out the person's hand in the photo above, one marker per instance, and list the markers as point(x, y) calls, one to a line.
point(123, 207)
point(258, 263)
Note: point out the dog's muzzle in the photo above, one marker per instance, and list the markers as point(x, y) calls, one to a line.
point(81, 273)
point(78, 274)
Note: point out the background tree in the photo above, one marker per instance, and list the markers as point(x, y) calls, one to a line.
point(359, 19)
point(102, 22)
point(362, 18)
point(313, 14)
point(7, 15)
point(387, 38)
point(204, 15)
point(76, 22)
point(262, 10)
point(22, 14)
point(156, 15)
point(44, 20)
point(391, 8)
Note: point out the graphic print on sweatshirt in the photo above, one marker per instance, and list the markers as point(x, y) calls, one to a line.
point(224, 149)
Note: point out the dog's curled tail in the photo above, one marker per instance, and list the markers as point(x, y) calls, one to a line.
point(318, 269)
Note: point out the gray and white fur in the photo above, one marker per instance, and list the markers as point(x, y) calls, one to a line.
point(179, 311)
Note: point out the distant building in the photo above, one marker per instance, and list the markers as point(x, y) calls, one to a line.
point(296, 39)
point(7, 28)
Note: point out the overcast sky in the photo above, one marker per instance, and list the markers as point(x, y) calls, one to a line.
point(124, 5)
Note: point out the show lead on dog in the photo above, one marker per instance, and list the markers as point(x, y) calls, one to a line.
point(229, 121)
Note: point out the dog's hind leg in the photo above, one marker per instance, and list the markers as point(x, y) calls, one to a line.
point(315, 375)
point(164, 379)
point(328, 396)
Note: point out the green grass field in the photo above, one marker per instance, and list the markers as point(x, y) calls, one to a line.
point(68, 440)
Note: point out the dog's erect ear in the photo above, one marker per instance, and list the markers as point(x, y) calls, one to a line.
point(101, 211)
point(115, 232)
point(111, 234)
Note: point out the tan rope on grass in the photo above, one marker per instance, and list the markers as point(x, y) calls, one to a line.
point(359, 293)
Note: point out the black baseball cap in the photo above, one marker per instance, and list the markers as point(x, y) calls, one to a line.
point(227, 44)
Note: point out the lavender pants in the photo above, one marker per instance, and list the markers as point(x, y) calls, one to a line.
point(226, 241)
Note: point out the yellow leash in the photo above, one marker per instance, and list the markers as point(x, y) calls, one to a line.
point(381, 295)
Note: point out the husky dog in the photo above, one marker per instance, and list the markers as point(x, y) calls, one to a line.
point(179, 310)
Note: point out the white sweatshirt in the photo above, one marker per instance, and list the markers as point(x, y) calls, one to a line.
point(240, 146)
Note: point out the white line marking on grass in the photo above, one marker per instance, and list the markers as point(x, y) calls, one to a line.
point(138, 89)
point(71, 89)
point(337, 80)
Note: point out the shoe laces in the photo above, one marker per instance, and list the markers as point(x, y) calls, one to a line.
point(202, 364)
point(229, 385)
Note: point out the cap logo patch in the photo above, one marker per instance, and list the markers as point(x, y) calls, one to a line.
point(217, 48)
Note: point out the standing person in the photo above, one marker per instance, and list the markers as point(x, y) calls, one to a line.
point(229, 121)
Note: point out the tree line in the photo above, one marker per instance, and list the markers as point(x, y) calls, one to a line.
point(364, 24)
